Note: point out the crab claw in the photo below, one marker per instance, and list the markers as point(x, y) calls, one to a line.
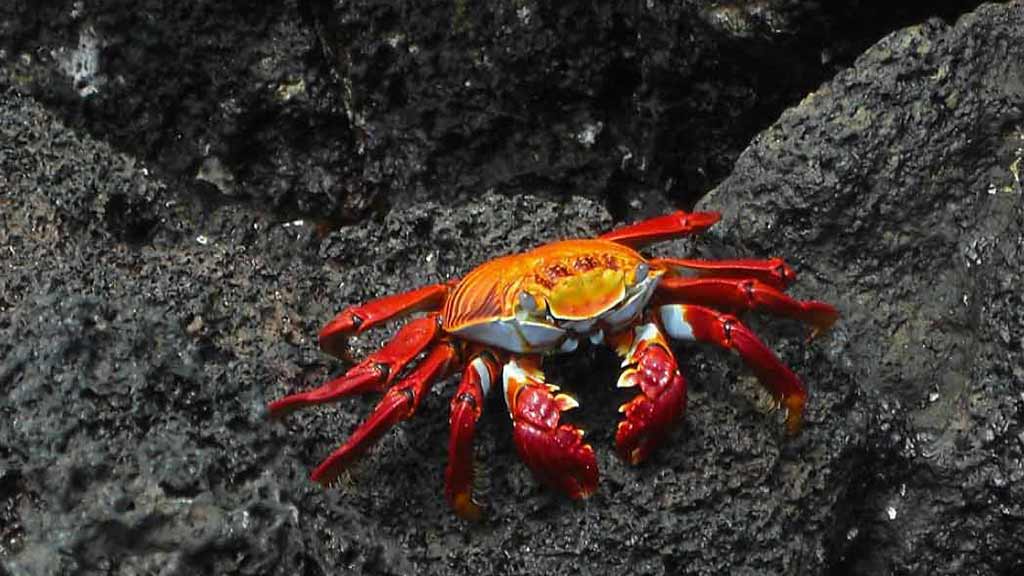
point(653, 413)
point(554, 452)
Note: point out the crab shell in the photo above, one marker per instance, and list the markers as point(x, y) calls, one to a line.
point(550, 297)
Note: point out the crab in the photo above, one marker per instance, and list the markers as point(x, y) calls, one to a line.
point(497, 323)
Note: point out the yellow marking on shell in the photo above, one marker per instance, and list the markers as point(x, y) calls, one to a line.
point(587, 294)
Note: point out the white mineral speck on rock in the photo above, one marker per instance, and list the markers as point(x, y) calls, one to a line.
point(588, 135)
point(524, 14)
point(81, 64)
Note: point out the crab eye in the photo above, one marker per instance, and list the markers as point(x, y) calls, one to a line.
point(528, 303)
point(640, 273)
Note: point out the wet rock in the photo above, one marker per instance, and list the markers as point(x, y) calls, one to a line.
point(229, 100)
point(897, 190)
point(135, 438)
point(330, 109)
point(609, 99)
point(142, 333)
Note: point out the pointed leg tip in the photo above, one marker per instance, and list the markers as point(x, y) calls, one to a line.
point(327, 473)
point(466, 508)
point(794, 414)
point(282, 407)
point(704, 220)
point(821, 317)
point(324, 478)
point(795, 417)
point(333, 337)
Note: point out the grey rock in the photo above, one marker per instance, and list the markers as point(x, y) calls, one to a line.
point(896, 189)
point(332, 110)
point(143, 331)
point(229, 101)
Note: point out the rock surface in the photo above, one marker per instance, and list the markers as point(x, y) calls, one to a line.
point(331, 109)
point(899, 187)
point(143, 330)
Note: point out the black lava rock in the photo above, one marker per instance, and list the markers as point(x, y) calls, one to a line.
point(144, 328)
point(897, 187)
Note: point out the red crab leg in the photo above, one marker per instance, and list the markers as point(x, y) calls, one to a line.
point(660, 228)
point(773, 271)
point(707, 325)
point(742, 295)
point(653, 413)
point(555, 453)
point(357, 319)
point(399, 403)
point(467, 405)
point(372, 374)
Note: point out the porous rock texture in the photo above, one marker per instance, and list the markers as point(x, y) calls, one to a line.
point(143, 330)
point(332, 109)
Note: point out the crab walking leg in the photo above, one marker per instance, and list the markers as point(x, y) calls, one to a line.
point(739, 296)
point(773, 271)
point(653, 413)
point(357, 319)
point(372, 374)
point(667, 227)
point(684, 322)
point(555, 453)
point(480, 374)
point(399, 403)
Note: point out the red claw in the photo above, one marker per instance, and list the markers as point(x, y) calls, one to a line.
point(554, 452)
point(653, 413)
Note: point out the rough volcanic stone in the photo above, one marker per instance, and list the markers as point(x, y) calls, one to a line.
point(897, 190)
point(331, 110)
point(143, 331)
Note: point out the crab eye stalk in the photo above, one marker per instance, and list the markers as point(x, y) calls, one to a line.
point(528, 303)
point(640, 273)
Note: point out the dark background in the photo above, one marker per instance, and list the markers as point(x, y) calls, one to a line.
point(189, 190)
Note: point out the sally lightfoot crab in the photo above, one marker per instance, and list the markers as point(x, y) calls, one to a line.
point(497, 322)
